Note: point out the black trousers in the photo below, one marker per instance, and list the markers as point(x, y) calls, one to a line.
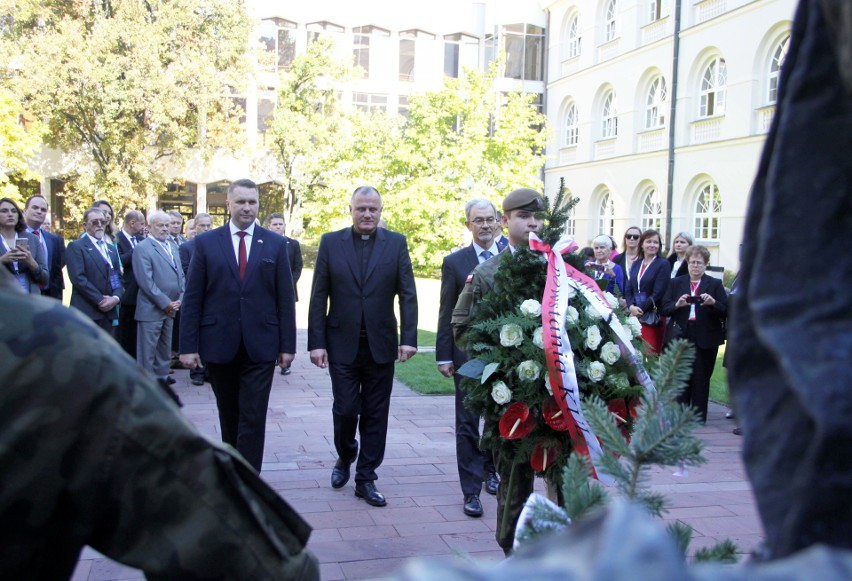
point(127, 329)
point(362, 392)
point(472, 462)
point(242, 389)
point(697, 392)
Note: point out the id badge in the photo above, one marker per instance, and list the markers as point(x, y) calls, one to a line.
point(23, 280)
point(114, 279)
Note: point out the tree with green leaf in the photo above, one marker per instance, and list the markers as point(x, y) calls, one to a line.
point(18, 143)
point(126, 87)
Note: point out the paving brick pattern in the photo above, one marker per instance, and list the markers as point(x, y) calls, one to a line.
point(424, 514)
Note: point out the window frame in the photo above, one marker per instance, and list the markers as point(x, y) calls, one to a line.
point(573, 36)
point(609, 116)
point(776, 62)
point(655, 100)
point(651, 200)
point(713, 89)
point(610, 28)
point(606, 212)
point(572, 125)
point(707, 213)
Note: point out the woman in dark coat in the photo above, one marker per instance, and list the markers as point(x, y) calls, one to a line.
point(698, 303)
point(649, 279)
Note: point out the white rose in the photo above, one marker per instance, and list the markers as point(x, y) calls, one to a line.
point(511, 335)
point(592, 313)
point(610, 353)
point(610, 298)
point(572, 292)
point(547, 385)
point(538, 338)
point(501, 393)
point(593, 337)
point(597, 371)
point(572, 315)
point(531, 308)
point(634, 325)
point(529, 370)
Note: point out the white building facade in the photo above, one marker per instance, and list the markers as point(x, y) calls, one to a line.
point(611, 94)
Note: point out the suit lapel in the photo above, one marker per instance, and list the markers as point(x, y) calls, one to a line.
point(471, 259)
point(348, 249)
point(228, 250)
point(379, 248)
point(255, 252)
point(161, 252)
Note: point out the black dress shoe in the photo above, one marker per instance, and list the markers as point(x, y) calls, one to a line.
point(285, 371)
point(171, 380)
point(472, 506)
point(340, 473)
point(367, 491)
point(491, 483)
point(197, 382)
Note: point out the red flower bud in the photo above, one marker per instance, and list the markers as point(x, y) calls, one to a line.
point(544, 454)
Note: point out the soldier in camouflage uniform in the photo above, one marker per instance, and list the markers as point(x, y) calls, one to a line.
point(519, 216)
point(93, 453)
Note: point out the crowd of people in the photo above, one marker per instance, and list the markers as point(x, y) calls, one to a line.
point(224, 300)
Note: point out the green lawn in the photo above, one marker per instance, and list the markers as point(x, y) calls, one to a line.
point(420, 373)
point(719, 381)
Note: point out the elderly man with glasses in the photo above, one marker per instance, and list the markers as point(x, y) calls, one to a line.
point(95, 273)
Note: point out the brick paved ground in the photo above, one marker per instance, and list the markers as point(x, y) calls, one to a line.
point(423, 517)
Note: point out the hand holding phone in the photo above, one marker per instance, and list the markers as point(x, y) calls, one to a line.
point(22, 243)
point(694, 300)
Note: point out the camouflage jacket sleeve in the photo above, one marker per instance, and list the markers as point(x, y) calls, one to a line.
point(93, 453)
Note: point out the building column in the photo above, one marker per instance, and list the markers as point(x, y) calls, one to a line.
point(200, 198)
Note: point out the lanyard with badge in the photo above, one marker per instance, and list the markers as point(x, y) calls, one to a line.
point(114, 274)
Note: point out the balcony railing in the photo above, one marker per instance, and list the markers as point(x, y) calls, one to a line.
point(655, 31)
point(709, 9)
point(567, 155)
point(608, 50)
point(764, 118)
point(605, 148)
point(705, 130)
point(652, 140)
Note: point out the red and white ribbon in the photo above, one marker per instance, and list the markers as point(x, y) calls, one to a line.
point(558, 353)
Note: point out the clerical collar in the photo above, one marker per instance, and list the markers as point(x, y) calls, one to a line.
point(359, 236)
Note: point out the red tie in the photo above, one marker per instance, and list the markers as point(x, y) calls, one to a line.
point(37, 233)
point(242, 253)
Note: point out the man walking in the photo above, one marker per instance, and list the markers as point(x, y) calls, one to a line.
point(239, 318)
point(126, 240)
point(474, 465)
point(294, 254)
point(352, 330)
point(203, 223)
point(160, 284)
point(36, 215)
point(95, 273)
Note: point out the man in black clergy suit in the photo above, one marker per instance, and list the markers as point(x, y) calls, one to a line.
point(239, 318)
point(95, 273)
point(352, 330)
point(36, 214)
point(473, 464)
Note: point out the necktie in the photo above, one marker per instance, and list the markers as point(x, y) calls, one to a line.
point(242, 254)
point(37, 234)
point(485, 254)
point(133, 241)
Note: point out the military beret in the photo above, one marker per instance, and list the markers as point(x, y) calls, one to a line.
point(524, 199)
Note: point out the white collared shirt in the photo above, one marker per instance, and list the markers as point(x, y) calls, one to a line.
point(479, 250)
point(235, 240)
point(102, 248)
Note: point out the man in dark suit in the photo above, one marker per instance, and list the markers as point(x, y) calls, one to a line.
point(35, 214)
point(95, 273)
point(473, 464)
point(276, 223)
point(126, 240)
point(160, 290)
point(239, 318)
point(203, 223)
point(352, 330)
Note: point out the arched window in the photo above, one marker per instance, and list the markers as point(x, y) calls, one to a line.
point(713, 86)
point(574, 37)
point(708, 208)
point(655, 10)
point(610, 22)
point(606, 215)
point(609, 117)
point(655, 104)
point(652, 210)
point(775, 68)
point(572, 130)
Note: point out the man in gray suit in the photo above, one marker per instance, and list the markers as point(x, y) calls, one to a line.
point(161, 284)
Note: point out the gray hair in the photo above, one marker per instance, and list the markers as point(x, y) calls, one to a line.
point(478, 203)
point(603, 240)
point(686, 236)
point(200, 215)
point(159, 215)
point(176, 214)
point(365, 190)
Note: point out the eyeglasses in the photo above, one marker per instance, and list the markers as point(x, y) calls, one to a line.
point(697, 263)
point(481, 221)
point(632, 236)
point(98, 222)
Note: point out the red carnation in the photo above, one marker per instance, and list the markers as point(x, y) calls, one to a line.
point(544, 454)
point(517, 422)
point(553, 415)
